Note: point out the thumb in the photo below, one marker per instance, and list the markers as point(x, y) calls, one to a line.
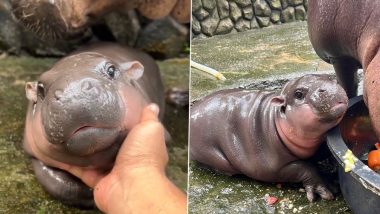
point(145, 143)
point(150, 112)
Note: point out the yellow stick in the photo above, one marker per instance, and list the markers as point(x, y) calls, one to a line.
point(208, 70)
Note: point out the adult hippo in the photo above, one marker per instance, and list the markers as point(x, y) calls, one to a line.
point(346, 34)
point(66, 18)
point(81, 110)
point(264, 134)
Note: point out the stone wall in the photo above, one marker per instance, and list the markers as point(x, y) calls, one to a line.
point(217, 17)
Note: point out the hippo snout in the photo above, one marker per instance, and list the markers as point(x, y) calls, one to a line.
point(88, 88)
point(86, 113)
point(330, 101)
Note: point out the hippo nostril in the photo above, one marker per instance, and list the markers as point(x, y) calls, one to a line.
point(86, 86)
point(58, 94)
point(321, 90)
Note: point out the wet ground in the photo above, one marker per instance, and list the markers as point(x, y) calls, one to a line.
point(19, 190)
point(257, 59)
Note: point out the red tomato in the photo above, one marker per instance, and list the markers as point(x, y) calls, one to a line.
point(374, 160)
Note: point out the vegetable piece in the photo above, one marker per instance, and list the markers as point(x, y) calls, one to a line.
point(349, 160)
point(374, 160)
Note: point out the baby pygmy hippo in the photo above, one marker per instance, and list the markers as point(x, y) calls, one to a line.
point(265, 135)
point(81, 110)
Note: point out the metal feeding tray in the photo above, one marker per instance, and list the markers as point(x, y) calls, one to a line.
point(360, 186)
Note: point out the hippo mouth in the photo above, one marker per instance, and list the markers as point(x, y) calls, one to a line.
point(88, 140)
point(336, 113)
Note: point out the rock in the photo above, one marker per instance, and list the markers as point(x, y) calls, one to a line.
point(234, 31)
point(225, 26)
point(295, 2)
point(209, 5)
point(235, 12)
point(196, 5)
point(223, 8)
point(254, 24)
point(124, 27)
point(209, 25)
point(275, 17)
point(306, 4)
point(284, 4)
point(275, 4)
point(163, 38)
point(10, 34)
point(243, 3)
point(300, 13)
point(242, 25)
point(263, 21)
point(201, 14)
point(200, 36)
point(60, 48)
point(196, 26)
point(248, 12)
point(287, 15)
point(261, 8)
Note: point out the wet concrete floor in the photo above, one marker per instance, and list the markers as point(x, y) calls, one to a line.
point(19, 190)
point(257, 59)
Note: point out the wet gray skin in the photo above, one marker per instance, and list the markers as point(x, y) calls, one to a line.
point(265, 135)
point(81, 110)
point(346, 34)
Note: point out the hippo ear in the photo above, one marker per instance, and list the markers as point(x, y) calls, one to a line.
point(31, 91)
point(278, 100)
point(133, 69)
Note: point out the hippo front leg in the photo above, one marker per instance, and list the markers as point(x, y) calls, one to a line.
point(346, 72)
point(63, 186)
point(300, 171)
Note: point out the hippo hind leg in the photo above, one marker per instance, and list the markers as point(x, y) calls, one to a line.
point(63, 186)
point(346, 72)
point(216, 160)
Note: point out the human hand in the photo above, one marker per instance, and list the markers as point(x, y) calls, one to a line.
point(137, 182)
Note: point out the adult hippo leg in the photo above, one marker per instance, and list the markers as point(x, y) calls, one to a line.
point(63, 186)
point(371, 92)
point(300, 171)
point(346, 72)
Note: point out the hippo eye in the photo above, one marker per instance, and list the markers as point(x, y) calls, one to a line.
point(111, 70)
point(40, 90)
point(299, 95)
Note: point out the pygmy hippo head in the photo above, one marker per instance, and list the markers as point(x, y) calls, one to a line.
point(308, 107)
point(84, 106)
